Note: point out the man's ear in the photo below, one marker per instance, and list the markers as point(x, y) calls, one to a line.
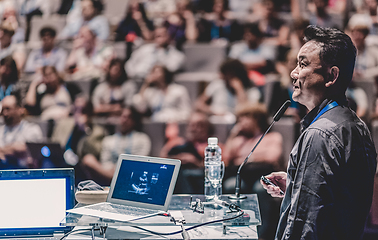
point(332, 76)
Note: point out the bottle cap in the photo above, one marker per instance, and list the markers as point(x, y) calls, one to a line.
point(212, 140)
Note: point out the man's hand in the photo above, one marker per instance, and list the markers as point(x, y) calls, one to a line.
point(278, 178)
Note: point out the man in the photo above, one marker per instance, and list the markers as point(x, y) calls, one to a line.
point(48, 55)
point(329, 182)
point(129, 139)
point(14, 134)
point(160, 52)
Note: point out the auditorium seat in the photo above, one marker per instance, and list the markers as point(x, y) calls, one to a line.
point(202, 57)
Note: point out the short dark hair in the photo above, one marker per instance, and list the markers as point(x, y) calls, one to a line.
point(47, 30)
point(137, 118)
point(9, 61)
point(121, 63)
point(254, 29)
point(337, 49)
point(237, 69)
point(98, 5)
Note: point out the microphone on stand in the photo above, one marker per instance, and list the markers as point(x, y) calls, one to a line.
point(276, 117)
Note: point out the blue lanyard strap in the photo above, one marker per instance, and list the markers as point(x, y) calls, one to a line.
point(325, 109)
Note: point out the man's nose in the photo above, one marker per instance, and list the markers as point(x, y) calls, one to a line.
point(294, 74)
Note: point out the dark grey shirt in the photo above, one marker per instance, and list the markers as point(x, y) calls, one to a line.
point(330, 177)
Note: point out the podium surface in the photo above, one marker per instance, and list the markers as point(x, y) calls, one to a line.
point(243, 227)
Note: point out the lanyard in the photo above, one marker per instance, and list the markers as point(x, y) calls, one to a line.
point(325, 109)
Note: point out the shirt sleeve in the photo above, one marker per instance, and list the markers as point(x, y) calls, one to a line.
point(106, 153)
point(142, 145)
point(32, 133)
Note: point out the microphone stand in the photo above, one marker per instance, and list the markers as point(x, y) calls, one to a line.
point(276, 117)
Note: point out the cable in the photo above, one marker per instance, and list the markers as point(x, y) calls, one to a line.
point(192, 227)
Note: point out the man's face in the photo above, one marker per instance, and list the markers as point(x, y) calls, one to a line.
point(11, 112)
point(47, 41)
point(161, 37)
point(126, 121)
point(87, 9)
point(308, 76)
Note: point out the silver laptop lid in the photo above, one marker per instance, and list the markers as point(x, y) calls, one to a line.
point(34, 201)
point(143, 181)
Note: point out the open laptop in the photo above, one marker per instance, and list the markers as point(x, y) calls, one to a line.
point(47, 154)
point(33, 202)
point(141, 187)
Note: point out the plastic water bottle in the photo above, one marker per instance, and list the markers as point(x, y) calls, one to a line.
point(214, 169)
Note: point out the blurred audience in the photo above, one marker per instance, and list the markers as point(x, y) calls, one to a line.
point(129, 139)
point(253, 52)
point(47, 96)
point(181, 24)
point(367, 56)
point(233, 88)
point(274, 29)
point(160, 52)
point(191, 149)
point(10, 15)
point(7, 48)
point(8, 77)
point(15, 133)
point(218, 26)
point(91, 17)
point(322, 17)
point(135, 24)
point(117, 91)
point(48, 55)
point(161, 99)
point(159, 9)
point(89, 57)
point(78, 135)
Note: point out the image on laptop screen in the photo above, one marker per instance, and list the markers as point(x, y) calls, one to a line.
point(144, 182)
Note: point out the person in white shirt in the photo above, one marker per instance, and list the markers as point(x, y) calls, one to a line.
point(90, 16)
point(129, 139)
point(48, 55)
point(116, 91)
point(89, 57)
point(15, 133)
point(160, 52)
point(163, 100)
point(7, 48)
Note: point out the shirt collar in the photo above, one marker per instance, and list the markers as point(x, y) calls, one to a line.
point(307, 120)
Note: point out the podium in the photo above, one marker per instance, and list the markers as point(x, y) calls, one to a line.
point(243, 227)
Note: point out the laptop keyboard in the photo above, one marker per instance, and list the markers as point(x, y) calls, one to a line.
point(122, 209)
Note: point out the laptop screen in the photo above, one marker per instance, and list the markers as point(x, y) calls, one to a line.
point(34, 202)
point(146, 182)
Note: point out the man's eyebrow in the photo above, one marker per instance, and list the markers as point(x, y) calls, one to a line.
point(302, 57)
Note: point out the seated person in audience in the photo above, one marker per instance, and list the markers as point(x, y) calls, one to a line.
point(161, 99)
point(78, 135)
point(89, 57)
point(191, 149)
point(367, 56)
point(8, 77)
point(7, 48)
point(358, 100)
point(217, 26)
point(48, 55)
point(47, 96)
point(15, 133)
point(117, 90)
point(91, 17)
point(181, 25)
point(274, 29)
point(10, 14)
point(221, 96)
point(321, 17)
point(129, 139)
point(135, 24)
point(372, 13)
point(252, 122)
point(252, 52)
point(160, 52)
